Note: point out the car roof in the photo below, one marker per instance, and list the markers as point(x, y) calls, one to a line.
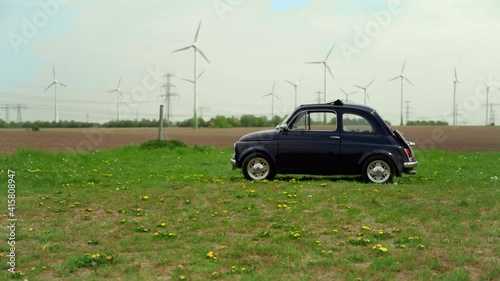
point(338, 104)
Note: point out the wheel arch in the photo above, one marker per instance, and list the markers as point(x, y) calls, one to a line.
point(259, 149)
point(390, 155)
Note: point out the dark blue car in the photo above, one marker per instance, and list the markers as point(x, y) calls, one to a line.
point(327, 139)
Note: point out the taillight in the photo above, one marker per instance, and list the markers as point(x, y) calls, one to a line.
point(408, 153)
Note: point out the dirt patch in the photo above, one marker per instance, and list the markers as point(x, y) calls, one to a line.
point(444, 138)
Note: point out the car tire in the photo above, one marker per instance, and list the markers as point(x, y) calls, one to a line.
point(258, 166)
point(378, 169)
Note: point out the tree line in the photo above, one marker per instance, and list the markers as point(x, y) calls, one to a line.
point(214, 122)
point(218, 121)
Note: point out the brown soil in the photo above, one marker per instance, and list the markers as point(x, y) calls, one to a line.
point(444, 138)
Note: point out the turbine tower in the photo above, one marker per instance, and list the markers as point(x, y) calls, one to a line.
point(347, 94)
point(55, 83)
point(119, 93)
point(273, 95)
point(295, 85)
point(365, 89)
point(487, 99)
point(196, 49)
point(454, 97)
point(326, 67)
point(403, 78)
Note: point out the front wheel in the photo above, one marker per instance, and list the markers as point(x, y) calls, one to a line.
point(258, 166)
point(378, 169)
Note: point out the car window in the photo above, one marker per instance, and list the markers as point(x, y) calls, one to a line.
point(354, 123)
point(315, 121)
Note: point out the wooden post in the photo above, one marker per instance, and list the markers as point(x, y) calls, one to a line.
point(160, 126)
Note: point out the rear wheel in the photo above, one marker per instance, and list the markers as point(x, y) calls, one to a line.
point(258, 166)
point(378, 169)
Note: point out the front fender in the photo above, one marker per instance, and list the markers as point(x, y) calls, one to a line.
point(242, 151)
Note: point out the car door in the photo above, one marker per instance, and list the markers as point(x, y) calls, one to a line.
point(311, 144)
point(360, 136)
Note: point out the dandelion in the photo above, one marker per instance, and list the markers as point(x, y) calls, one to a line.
point(145, 197)
point(364, 227)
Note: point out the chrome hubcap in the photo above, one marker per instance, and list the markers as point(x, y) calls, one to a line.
point(258, 168)
point(378, 171)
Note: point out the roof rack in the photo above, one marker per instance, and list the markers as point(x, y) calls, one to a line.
point(337, 102)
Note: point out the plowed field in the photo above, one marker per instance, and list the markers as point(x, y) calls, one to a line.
point(443, 138)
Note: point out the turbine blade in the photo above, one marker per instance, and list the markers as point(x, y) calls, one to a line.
point(408, 81)
point(343, 91)
point(293, 84)
point(277, 97)
point(456, 77)
point(112, 91)
point(353, 92)
point(187, 80)
point(199, 75)
point(403, 68)
point(397, 77)
point(49, 86)
point(119, 81)
point(202, 54)
point(267, 95)
point(62, 84)
point(182, 49)
point(330, 52)
point(486, 84)
point(329, 70)
point(359, 87)
point(197, 31)
point(315, 62)
point(369, 84)
point(119, 92)
point(54, 72)
point(274, 84)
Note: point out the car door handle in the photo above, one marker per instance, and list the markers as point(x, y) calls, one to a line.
point(335, 137)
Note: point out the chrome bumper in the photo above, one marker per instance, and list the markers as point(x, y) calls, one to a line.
point(233, 162)
point(410, 165)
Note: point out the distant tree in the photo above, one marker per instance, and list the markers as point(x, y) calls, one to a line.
point(426, 123)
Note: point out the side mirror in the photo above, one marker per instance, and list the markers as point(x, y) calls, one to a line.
point(282, 127)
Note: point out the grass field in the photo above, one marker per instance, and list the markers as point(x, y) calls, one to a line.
point(182, 214)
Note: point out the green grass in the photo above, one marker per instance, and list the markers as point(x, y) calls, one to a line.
point(180, 213)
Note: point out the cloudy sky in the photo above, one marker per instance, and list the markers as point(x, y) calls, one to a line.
point(251, 45)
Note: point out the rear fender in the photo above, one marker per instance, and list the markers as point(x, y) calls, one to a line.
point(389, 154)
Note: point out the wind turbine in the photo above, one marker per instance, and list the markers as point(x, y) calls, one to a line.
point(347, 94)
point(192, 81)
point(196, 49)
point(403, 78)
point(119, 93)
point(55, 83)
point(326, 67)
point(364, 89)
point(487, 99)
point(295, 85)
point(273, 95)
point(454, 97)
